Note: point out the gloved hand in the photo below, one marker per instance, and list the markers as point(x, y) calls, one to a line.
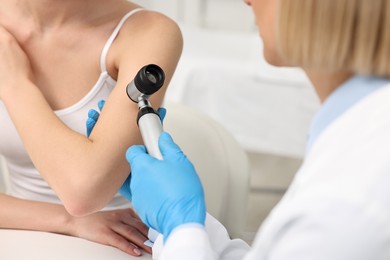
point(165, 193)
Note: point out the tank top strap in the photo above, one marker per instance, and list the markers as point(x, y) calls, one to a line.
point(114, 34)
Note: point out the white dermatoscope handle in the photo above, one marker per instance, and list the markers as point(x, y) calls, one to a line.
point(150, 127)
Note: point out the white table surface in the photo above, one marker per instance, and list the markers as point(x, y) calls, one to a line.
point(33, 245)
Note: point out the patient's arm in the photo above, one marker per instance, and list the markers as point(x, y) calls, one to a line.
point(87, 172)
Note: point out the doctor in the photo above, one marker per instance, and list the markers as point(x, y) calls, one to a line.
point(338, 206)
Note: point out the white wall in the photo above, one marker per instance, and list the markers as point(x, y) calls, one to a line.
point(213, 14)
point(228, 15)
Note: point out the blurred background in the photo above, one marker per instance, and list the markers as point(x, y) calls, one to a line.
point(222, 73)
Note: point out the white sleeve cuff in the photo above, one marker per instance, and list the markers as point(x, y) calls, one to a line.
point(189, 241)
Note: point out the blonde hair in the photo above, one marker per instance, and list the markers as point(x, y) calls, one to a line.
point(335, 35)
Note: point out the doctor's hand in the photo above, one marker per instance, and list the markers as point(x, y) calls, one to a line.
point(14, 65)
point(165, 193)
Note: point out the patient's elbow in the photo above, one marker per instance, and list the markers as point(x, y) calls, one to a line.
point(80, 207)
point(86, 192)
point(82, 198)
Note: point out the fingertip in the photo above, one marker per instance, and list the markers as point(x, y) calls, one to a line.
point(148, 248)
point(90, 122)
point(101, 104)
point(162, 112)
point(165, 137)
point(132, 250)
point(168, 147)
point(133, 151)
point(166, 140)
point(137, 252)
point(92, 113)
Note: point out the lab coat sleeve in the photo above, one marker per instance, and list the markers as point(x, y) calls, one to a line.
point(193, 242)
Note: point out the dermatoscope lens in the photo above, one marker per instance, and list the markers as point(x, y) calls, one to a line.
point(148, 80)
point(151, 77)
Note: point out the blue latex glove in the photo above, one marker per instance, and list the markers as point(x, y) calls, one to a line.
point(165, 193)
point(93, 117)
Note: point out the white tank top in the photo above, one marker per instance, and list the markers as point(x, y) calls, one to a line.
point(25, 180)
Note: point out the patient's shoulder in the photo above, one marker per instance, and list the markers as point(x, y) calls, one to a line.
point(145, 34)
point(149, 25)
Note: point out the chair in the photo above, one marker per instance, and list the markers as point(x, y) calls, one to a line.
point(220, 161)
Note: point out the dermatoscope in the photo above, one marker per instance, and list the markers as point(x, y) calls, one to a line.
point(148, 80)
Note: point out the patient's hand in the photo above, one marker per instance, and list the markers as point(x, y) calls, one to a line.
point(118, 228)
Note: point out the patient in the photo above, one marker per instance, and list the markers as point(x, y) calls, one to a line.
point(57, 59)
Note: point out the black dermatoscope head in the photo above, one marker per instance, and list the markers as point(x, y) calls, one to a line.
point(148, 80)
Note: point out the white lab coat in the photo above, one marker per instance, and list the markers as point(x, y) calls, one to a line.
point(337, 207)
